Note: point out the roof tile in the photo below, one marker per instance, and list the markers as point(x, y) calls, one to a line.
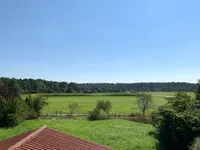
point(49, 139)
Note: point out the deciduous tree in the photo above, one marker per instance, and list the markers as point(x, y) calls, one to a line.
point(144, 101)
point(72, 106)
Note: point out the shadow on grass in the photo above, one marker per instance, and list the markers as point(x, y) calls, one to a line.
point(159, 146)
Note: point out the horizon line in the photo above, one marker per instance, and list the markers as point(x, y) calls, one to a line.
point(102, 82)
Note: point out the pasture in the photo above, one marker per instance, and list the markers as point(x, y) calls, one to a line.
point(122, 103)
point(162, 94)
point(118, 134)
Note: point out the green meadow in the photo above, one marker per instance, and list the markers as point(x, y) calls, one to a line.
point(162, 94)
point(120, 104)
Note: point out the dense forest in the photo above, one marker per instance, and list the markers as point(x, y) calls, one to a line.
point(44, 86)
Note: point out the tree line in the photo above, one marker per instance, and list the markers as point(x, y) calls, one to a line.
point(44, 86)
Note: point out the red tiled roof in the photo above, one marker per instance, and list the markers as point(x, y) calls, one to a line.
point(48, 139)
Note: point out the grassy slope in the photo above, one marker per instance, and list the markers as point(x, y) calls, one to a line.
point(118, 134)
point(121, 104)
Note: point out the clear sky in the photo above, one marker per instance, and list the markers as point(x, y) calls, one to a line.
point(100, 40)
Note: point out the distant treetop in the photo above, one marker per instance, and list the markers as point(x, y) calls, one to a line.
point(44, 86)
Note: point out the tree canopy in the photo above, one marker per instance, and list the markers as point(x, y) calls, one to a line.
point(144, 101)
point(177, 122)
point(44, 86)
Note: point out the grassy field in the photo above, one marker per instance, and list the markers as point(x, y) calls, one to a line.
point(118, 134)
point(169, 93)
point(121, 104)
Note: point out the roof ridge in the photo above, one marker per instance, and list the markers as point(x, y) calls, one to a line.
point(29, 137)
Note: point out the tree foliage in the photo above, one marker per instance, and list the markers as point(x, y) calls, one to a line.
point(101, 111)
point(8, 94)
point(72, 106)
point(197, 94)
point(43, 86)
point(35, 105)
point(196, 144)
point(12, 107)
point(106, 106)
point(12, 112)
point(70, 90)
point(144, 101)
point(178, 122)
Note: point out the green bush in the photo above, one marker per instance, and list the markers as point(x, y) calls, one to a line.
point(104, 105)
point(13, 109)
point(196, 144)
point(97, 114)
point(94, 115)
point(31, 114)
point(35, 105)
point(101, 112)
point(12, 112)
point(177, 123)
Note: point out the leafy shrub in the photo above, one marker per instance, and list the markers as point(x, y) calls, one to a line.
point(97, 114)
point(12, 108)
point(177, 123)
point(101, 112)
point(12, 112)
point(31, 114)
point(103, 115)
point(104, 105)
point(94, 115)
point(35, 105)
point(196, 144)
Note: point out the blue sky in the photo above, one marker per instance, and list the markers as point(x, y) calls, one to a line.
point(100, 40)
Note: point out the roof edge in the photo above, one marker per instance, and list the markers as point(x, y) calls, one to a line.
point(29, 137)
point(103, 146)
